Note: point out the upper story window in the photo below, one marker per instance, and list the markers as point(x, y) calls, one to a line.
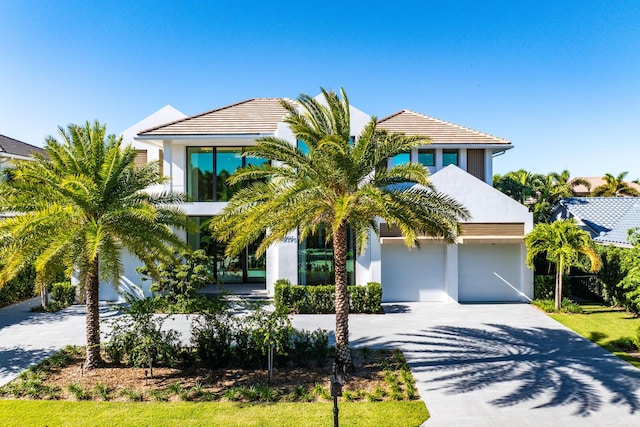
point(449, 157)
point(201, 179)
point(427, 157)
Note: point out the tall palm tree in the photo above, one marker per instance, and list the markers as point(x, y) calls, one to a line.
point(615, 186)
point(563, 186)
point(550, 189)
point(339, 184)
point(564, 244)
point(77, 208)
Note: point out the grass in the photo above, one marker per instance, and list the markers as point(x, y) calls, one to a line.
point(66, 413)
point(605, 326)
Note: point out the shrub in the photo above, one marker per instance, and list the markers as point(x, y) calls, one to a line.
point(321, 298)
point(137, 338)
point(544, 286)
point(19, 288)
point(62, 295)
point(548, 306)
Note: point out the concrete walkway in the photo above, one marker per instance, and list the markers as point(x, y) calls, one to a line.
point(475, 365)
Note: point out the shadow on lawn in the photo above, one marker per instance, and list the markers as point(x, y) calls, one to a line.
point(541, 361)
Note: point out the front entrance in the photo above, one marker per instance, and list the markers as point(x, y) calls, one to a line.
point(243, 268)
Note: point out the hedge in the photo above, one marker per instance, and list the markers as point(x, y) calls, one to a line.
point(319, 299)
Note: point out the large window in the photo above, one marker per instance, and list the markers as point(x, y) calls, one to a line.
point(243, 268)
point(449, 157)
point(315, 260)
point(427, 157)
point(201, 180)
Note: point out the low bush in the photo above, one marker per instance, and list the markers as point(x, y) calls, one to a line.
point(319, 299)
point(137, 338)
point(548, 306)
point(544, 286)
point(226, 340)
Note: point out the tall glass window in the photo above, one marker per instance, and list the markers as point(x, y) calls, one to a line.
point(427, 157)
point(449, 157)
point(228, 160)
point(201, 180)
point(200, 173)
point(315, 260)
point(243, 268)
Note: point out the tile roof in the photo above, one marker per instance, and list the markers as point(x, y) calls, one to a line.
point(595, 181)
point(439, 131)
point(252, 116)
point(608, 219)
point(17, 148)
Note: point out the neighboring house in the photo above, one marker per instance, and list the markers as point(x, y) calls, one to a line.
point(486, 264)
point(595, 181)
point(12, 150)
point(607, 219)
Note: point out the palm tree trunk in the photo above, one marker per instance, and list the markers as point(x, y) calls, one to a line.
point(44, 296)
point(93, 317)
point(340, 244)
point(559, 270)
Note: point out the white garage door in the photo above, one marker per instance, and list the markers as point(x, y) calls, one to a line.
point(413, 275)
point(479, 267)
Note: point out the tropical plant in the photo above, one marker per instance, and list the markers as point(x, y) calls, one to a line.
point(615, 186)
point(564, 244)
point(78, 208)
point(338, 184)
point(520, 185)
point(550, 189)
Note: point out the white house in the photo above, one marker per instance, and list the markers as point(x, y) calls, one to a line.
point(486, 264)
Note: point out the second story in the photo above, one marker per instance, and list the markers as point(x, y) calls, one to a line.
point(201, 151)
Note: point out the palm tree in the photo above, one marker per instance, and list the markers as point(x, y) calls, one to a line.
point(564, 186)
point(564, 244)
point(520, 185)
point(337, 185)
point(78, 208)
point(550, 189)
point(615, 186)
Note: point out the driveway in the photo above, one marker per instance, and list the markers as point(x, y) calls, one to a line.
point(474, 365)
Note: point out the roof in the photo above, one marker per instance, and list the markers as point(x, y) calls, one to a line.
point(485, 203)
point(249, 117)
point(439, 131)
point(607, 219)
point(17, 148)
point(595, 181)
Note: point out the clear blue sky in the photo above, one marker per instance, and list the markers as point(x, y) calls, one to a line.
point(560, 79)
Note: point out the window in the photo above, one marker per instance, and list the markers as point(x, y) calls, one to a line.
point(200, 173)
point(315, 260)
point(201, 180)
point(243, 268)
point(402, 158)
point(449, 157)
point(427, 157)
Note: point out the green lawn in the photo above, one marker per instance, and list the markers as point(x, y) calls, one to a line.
point(64, 413)
point(604, 326)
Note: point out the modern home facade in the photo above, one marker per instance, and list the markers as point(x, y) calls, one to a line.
point(486, 264)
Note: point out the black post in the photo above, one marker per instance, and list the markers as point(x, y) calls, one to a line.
point(335, 411)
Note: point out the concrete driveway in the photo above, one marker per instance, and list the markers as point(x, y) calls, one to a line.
point(475, 365)
point(501, 365)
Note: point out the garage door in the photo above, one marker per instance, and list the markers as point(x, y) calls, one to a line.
point(480, 265)
point(413, 275)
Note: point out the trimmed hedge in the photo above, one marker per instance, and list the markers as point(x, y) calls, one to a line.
point(320, 299)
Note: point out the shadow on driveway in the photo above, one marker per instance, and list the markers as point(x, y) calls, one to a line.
point(554, 365)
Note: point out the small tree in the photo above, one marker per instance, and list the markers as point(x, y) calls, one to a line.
point(564, 244)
